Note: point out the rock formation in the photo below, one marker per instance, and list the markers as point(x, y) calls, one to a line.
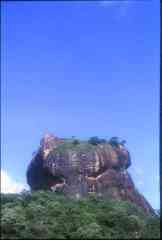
point(83, 168)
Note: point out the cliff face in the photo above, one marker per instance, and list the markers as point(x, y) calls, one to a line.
point(79, 169)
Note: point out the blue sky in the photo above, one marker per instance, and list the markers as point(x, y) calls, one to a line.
point(82, 69)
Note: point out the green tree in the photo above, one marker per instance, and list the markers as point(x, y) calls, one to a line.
point(152, 228)
point(96, 140)
point(47, 215)
point(114, 141)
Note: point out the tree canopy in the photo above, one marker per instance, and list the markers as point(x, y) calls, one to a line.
point(47, 215)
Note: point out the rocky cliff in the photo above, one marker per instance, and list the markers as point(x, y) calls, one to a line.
point(81, 168)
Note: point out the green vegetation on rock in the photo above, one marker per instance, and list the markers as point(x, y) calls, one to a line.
point(73, 146)
point(47, 215)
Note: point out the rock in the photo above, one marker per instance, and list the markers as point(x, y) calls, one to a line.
point(77, 170)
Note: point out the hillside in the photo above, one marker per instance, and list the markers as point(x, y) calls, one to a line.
point(49, 215)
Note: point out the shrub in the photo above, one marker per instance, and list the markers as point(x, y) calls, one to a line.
point(115, 141)
point(96, 140)
point(152, 228)
point(47, 215)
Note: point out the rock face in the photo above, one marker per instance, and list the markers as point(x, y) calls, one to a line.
point(80, 169)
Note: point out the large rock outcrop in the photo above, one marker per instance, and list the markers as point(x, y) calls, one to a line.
point(78, 169)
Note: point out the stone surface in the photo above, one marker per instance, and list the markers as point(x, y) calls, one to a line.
point(78, 170)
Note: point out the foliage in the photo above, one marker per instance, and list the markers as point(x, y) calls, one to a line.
point(151, 230)
point(47, 215)
point(96, 140)
point(73, 145)
point(115, 141)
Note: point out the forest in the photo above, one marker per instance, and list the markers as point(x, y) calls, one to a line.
point(50, 215)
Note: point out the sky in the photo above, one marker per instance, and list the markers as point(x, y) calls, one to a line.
point(81, 69)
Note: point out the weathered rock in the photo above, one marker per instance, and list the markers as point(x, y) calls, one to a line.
point(77, 170)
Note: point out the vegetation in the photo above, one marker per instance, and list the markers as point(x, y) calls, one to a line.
point(96, 140)
point(81, 145)
point(115, 141)
point(47, 215)
point(73, 145)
